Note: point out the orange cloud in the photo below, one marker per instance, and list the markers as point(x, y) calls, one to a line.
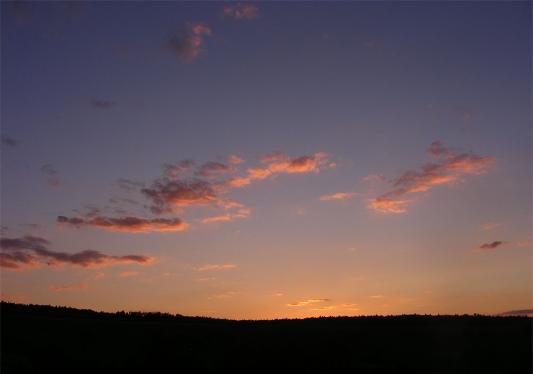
point(127, 224)
point(339, 196)
point(128, 274)
point(216, 267)
point(69, 287)
point(307, 302)
point(451, 166)
point(235, 160)
point(389, 206)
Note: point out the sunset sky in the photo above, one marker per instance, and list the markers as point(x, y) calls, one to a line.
point(267, 159)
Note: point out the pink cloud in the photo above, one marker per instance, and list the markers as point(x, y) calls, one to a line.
point(339, 196)
point(188, 44)
point(450, 167)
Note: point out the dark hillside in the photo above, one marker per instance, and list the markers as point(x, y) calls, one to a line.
point(41, 339)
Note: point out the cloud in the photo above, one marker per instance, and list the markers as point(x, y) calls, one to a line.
point(51, 174)
point(524, 244)
point(127, 224)
point(31, 251)
point(234, 160)
point(166, 193)
point(128, 274)
point(308, 302)
point(376, 296)
point(103, 104)
point(188, 44)
point(69, 287)
point(490, 226)
point(388, 206)
point(351, 307)
point(492, 245)
point(216, 267)
point(448, 169)
point(128, 185)
point(280, 163)
point(242, 212)
point(214, 169)
point(241, 11)
point(173, 171)
point(517, 313)
point(339, 196)
point(9, 142)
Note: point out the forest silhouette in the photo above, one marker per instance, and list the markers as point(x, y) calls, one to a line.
point(43, 339)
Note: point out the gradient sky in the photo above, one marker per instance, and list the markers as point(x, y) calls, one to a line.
point(268, 159)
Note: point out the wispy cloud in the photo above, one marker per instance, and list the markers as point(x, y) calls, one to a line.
point(339, 196)
point(449, 168)
point(188, 44)
point(490, 226)
point(103, 104)
point(69, 287)
point(126, 224)
point(307, 302)
point(32, 251)
point(51, 175)
point(492, 245)
point(216, 267)
point(241, 11)
point(128, 274)
point(8, 142)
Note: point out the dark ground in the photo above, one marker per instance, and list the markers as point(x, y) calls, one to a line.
point(43, 339)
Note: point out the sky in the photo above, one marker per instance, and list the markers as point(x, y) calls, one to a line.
point(267, 159)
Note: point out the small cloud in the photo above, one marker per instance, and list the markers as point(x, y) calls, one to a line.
point(216, 267)
point(492, 245)
point(277, 294)
point(128, 274)
point(103, 104)
point(214, 169)
point(205, 279)
point(51, 175)
point(224, 295)
point(69, 287)
point(339, 196)
point(307, 302)
point(128, 185)
point(8, 142)
point(524, 244)
point(490, 226)
point(235, 160)
point(241, 11)
point(188, 44)
point(126, 224)
point(376, 296)
point(389, 206)
point(517, 313)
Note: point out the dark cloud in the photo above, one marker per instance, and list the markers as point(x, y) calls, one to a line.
point(241, 11)
point(103, 104)
point(126, 224)
point(51, 174)
point(9, 142)
point(213, 169)
point(165, 193)
point(492, 245)
point(30, 251)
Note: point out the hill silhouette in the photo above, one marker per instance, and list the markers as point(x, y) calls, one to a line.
point(43, 339)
